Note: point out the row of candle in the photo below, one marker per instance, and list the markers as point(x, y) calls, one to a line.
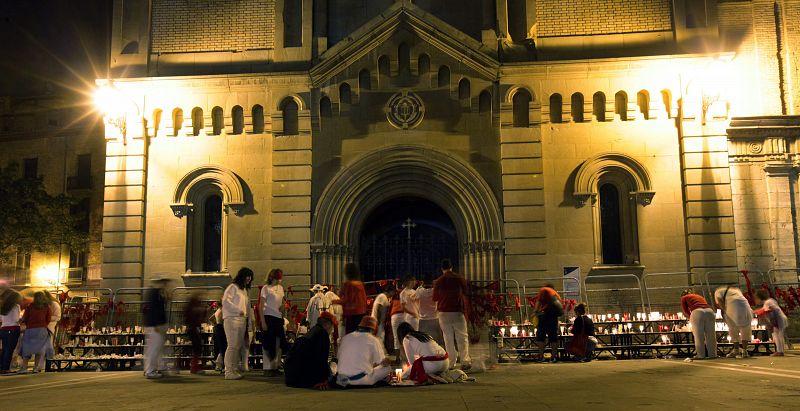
point(622, 328)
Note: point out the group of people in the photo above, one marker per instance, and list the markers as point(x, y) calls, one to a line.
point(26, 330)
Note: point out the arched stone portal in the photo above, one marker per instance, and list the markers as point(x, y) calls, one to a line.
point(407, 171)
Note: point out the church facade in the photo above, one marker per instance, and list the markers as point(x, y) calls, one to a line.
point(514, 137)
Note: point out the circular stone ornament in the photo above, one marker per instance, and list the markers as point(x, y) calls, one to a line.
point(404, 110)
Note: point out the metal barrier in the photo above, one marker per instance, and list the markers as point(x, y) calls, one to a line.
point(779, 277)
point(177, 306)
point(96, 305)
point(614, 277)
point(740, 280)
point(674, 300)
point(502, 291)
point(129, 313)
point(537, 283)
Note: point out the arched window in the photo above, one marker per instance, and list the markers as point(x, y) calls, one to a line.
point(404, 58)
point(423, 64)
point(289, 109)
point(325, 109)
point(666, 97)
point(556, 104)
point(643, 101)
point(177, 121)
point(463, 89)
point(485, 102)
point(599, 106)
point(611, 224)
point(576, 107)
point(621, 105)
point(197, 121)
point(383, 66)
point(258, 119)
point(212, 233)
point(364, 81)
point(521, 106)
point(156, 121)
point(345, 96)
point(444, 77)
point(237, 113)
point(217, 120)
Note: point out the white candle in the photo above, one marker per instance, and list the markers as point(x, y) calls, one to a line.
point(398, 372)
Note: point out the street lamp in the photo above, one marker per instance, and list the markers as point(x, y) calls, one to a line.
point(116, 106)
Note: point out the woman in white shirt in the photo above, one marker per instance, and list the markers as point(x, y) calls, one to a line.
point(426, 356)
point(738, 317)
point(271, 303)
point(9, 327)
point(380, 309)
point(410, 301)
point(235, 306)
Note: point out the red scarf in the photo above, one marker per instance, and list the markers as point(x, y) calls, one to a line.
point(418, 374)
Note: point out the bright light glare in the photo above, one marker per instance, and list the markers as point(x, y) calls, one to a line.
point(110, 101)
point(47, 275)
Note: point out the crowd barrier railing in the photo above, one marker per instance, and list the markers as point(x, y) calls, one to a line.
point(535, 284)
point(674, 301)
point(614, 277)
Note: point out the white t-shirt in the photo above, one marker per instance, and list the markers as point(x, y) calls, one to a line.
point(427, 307)
point(11, 318)
point(272, 300)
point(55, 316)
point(359, 352)
point(316, 305)
point(415, 348)
point(381, 300)
point(408, 297)
point(336, 309)
point(234, 302)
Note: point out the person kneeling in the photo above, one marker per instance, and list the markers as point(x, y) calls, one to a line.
point(306, 363)
point(429, 358)
point(362, 358)
point(583, 341)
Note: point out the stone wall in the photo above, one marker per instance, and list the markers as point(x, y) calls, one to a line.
point(212, 25)
point(591, 17)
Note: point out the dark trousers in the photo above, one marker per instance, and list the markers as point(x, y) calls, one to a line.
point(9, 339)
point(220, 341)
point(351, 322)
point(197, 343)
point(274, 335)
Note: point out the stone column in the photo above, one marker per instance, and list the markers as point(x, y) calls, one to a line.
point(783, 227)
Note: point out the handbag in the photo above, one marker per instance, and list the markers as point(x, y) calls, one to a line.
point(577, 345)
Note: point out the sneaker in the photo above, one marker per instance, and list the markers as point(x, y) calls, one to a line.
point(154, 375)
point(734, 354)
point(236, 376)
point(22, 371)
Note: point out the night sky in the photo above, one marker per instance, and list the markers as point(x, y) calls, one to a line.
point(53, 46)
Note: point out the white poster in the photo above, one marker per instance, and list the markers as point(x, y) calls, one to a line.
point(572, 283)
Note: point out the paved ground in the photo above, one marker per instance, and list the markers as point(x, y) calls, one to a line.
point(758, 383)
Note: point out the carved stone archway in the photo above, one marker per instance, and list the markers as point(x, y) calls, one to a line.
point(407, 171)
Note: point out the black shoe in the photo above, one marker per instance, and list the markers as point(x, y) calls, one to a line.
point(553, 360)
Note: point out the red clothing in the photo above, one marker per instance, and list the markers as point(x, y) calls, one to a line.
point(546, 295)
point(397, 306)
point(353, 298)
point(449, 291)
point(691, 302)
point(36, 317)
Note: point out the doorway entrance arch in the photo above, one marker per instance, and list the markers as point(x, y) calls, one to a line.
point(414, 171)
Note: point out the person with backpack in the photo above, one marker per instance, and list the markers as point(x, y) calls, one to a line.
point(548, 309)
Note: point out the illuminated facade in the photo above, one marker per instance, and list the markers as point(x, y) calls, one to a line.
point(516, 137)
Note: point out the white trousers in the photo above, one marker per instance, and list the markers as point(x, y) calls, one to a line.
point(234, 332)
point(431, 367)
point(705, 336)
point(456, 338)
point(739, 334)
point(154, 348)
point(373, 377)
point(779, 338)
point(398, 319)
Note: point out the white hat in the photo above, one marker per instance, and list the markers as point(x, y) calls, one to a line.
point(316, 288)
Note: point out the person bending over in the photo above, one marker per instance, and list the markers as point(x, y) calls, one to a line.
point(775, 318)
point(428, 359)
point(548, 308)
point(738, 317)
point(306, 364)
point(362, 358)
point(702, 319)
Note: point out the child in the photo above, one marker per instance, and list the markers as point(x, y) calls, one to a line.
point(583, 341)
point(776, 320)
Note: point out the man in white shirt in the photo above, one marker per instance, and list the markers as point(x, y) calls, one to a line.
point(362, 358)
point(380, 307)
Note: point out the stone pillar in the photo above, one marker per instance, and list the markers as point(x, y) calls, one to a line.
point(783, 228)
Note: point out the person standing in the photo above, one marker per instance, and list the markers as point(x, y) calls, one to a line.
point(155, 326)
point(548, 308)
point(362, 357)
point(702, 320)
point(235, 306)
point(336, 310)
point(220, 341)
point(317, 304)
point(738, 317)
point(36, 338)
point(307, 363)
point(274, 343)
point(428, 316)
point(380, 310)
point(193, 317)
point(353, 298)
point(775, 318)
point(410, 301)
point(449, 292)
point(9, 327)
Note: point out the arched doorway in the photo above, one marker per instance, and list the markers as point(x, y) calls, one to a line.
point(406, 235)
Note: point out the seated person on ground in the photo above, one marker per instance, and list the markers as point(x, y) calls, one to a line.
point(583, 341)
point(428, 358)
point(306, 363)
point(362, 358)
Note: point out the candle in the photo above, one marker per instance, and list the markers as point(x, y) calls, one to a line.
point(641, 328)
point(502, 332)
point(514, 331)
point(398, 373)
